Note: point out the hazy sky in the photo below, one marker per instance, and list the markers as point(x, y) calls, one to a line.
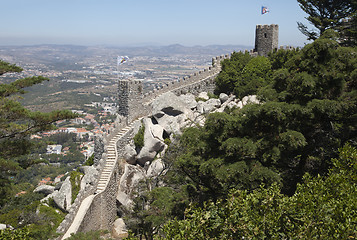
point(133, 22)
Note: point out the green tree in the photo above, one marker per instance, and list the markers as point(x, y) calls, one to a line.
point(231, 72)
point(18, 123)
point(326, 14)
point(309, 112)
point(321, 208)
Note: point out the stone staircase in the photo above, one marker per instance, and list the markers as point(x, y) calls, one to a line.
point(112, 154)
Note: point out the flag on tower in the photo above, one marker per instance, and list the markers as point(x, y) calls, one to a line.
point(264, 10)
point(122, 59)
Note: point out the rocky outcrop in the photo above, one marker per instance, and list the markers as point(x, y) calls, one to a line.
point(203, 95)
point(130, 179)
point(170, 115)
point(223, 97)
point(119, 229)
point(189, 100)
point(169, 104)
point(63, 197)
point(130, 154)
point(153, 142)
point(44, 189)
point(155, 168)
point(90, 176)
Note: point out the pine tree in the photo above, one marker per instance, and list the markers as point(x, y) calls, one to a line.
point(17, 124)
point(327, 14)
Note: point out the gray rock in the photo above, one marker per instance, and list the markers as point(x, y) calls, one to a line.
point(90, 176)
point(45, 189)
point(155, 168)
point(211, 105)
point(145, 155)
point(189, 99)
point(131, 177)
point(168, 103)
point(130, 154)
point(234, 105)
point(58, 186)
point(153, 136)
point(63, 197)
point(119, 229)
point(4, 226)
point(223, 97)
point(250, 99)
point(124, 199)
point(203, 95)
point(200, 107)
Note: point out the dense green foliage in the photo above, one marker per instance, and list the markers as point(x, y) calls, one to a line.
point(91, 235)
point(30, 219)
point(139, 137)
point(263, 171)
point(321, 208)
point(308, 111)
point(332, 14)
point(75, 179)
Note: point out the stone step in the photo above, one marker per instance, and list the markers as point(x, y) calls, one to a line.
point(107, 169)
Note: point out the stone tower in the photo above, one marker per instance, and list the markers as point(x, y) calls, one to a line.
point(266, 38)
point(130, 94)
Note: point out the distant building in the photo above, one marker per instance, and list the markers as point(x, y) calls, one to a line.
point(54, 149)
point(45, 181)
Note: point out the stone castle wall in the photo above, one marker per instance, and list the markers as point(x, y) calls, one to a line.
point(103, 209)
point(134, 104)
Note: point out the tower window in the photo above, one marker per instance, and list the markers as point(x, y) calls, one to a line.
point(265, 35)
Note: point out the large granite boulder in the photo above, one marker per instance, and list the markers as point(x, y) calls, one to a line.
point(130, 179)
point(63, 197)
point(90, 176)
point(155, 168)
point(119, 229)
point(189, 99)
point(169, 104)
point(203, 95)
point(200, 107)
point(130, 154)
point(4, 226)
point(223, 97)
point(211, 105)
point(250, 99)
point(45, 189)
point(153, 135)
point(145, 155)
point(153, 142)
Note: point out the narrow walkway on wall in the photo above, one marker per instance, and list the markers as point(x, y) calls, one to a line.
point(112, 158)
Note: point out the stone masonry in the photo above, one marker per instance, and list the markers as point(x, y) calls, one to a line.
point(266, 38)
point(98, 208)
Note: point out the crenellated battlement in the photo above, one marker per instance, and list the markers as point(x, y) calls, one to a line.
point(266, 39)
point(133, 103)
point(98, 209)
